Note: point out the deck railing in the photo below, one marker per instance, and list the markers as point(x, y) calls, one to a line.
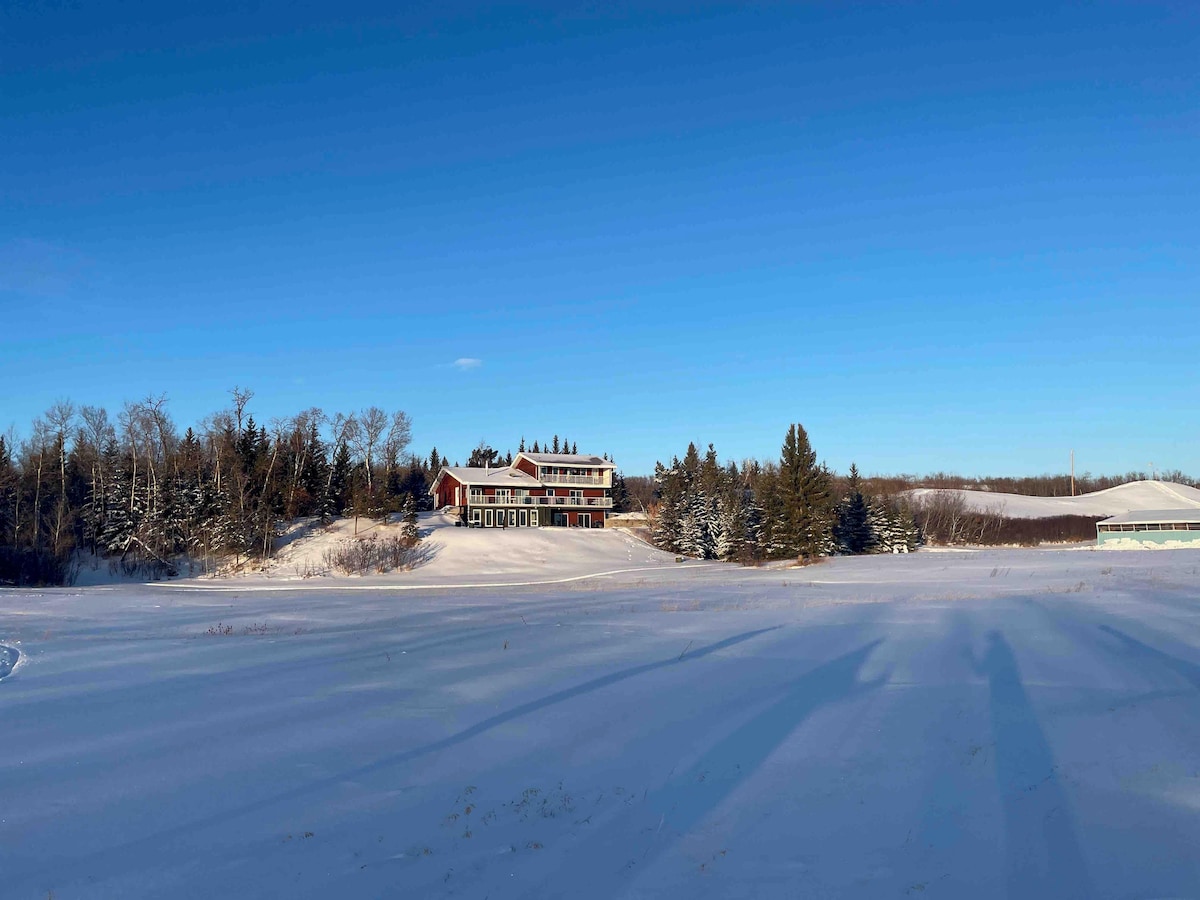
point(493, 500)
point(589, 480)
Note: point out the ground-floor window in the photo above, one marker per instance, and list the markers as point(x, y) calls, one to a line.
point(506, 518)
point(584, 520)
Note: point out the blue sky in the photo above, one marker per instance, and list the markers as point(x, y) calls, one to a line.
point(941, 237)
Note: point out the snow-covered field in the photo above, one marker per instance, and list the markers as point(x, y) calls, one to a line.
point(1003, 723)
point(1110, 502)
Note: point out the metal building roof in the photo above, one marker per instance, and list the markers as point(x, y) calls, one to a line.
point(1153, 516)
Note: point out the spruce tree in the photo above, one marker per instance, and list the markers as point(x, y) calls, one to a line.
point(804, 487)
point(730, 538)
point(852, 530)
point(774, 538)
point(338, 497)
point(620, 494)
point(693, 530)
point(409, 533)
point(315, 474)
point(669, 483)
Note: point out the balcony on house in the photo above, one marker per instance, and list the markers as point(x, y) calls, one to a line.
point(501, 499)
point(548, 475)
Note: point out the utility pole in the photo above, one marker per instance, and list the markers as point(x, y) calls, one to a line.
point(1072, 473)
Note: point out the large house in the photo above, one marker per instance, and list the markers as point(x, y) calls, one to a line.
point(538, 489)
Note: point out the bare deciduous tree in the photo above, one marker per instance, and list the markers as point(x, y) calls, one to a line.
point(373, 421)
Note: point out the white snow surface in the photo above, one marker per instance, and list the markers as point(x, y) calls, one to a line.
point(456, 556)
point(1110, 502)
point(992, 723)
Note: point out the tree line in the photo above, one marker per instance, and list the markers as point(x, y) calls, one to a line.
point(1046, 485)
point(132, 487)
point(791, 509)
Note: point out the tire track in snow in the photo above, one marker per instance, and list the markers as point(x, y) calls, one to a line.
point(302, 586)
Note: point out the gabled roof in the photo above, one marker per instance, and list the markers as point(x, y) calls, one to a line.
point(505, 476)
point(568, 459)
point(1152, 516)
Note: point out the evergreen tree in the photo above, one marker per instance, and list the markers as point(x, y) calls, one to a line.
point(555, 450)
point(315, 475)
point(669, 484)
point(775, 541)
point(409, 532)
point(338, 498)
point(893, 527)
point(693, 530)
point(730, 536)
point(535, 448)
point(482, 456)
point(620, 493)
point(804, 487)
point(853, 532)
point(435, 462)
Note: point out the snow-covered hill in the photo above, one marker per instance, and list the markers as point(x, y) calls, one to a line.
point(465, 556)
point(1110, 502)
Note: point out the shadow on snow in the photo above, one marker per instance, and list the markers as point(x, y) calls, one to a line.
point(1043, 857)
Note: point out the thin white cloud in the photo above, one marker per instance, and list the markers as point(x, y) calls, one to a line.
point(467, 362)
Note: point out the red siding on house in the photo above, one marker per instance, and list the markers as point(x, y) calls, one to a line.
point(445, 491)
point(527, 467)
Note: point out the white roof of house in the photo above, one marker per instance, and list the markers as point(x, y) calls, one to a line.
point(504, 476)
point(1154, 516)
point(567, 459)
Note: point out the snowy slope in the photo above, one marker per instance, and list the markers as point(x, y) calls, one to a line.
point(986, 724)
point(1109, 502)
point(464, 555)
